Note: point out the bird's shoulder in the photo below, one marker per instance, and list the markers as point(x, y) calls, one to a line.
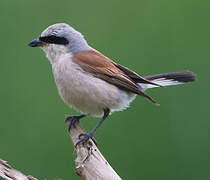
point(96, 61)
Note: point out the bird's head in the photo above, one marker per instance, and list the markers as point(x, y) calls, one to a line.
point(59, 39)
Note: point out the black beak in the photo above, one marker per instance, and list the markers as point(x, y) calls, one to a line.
point(36, 43)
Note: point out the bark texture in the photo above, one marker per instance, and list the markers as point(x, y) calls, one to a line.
point(90, 163)
point(8, 173)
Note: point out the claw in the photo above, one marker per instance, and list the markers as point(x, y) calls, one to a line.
point(73, 120)
point(85, 138)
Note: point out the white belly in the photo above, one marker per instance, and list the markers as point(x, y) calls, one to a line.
point(86, 93)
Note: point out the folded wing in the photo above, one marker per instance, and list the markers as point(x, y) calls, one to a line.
point(102, 67)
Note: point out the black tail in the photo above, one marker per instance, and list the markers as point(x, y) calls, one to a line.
point(168, 79)
point(182, 77)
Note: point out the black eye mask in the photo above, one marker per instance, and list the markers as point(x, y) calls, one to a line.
point(54, 40)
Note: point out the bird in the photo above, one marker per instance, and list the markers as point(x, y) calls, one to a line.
point(92, 83)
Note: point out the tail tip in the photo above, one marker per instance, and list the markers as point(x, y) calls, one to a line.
point(191, 76)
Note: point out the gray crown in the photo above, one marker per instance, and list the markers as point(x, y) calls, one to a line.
point(76, 41)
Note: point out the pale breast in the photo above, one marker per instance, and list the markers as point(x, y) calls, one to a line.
point(86, 93)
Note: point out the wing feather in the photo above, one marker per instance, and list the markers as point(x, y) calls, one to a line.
point(134, 76)
point(102, 67)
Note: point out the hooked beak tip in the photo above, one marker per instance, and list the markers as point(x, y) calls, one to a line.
point(35, 43)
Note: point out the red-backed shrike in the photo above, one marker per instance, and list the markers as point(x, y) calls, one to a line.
point(90, 82)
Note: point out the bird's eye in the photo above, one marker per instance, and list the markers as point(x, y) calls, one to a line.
point(54, 40)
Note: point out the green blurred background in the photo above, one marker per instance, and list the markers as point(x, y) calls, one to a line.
point(144, 142)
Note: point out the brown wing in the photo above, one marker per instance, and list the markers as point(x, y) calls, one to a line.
point(102, 67)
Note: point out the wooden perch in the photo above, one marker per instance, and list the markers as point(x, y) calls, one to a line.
point(8, 173)
point(90, 163)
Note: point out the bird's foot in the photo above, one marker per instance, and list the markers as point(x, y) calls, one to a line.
point(83, 138)
point(73, 120)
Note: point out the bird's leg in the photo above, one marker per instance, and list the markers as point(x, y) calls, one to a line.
point(73, 120)
point(84, 137)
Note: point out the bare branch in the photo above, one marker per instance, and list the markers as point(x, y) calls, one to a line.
point(8, 173)
point(90, 163)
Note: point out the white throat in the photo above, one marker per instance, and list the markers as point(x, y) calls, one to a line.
point(54, 52)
